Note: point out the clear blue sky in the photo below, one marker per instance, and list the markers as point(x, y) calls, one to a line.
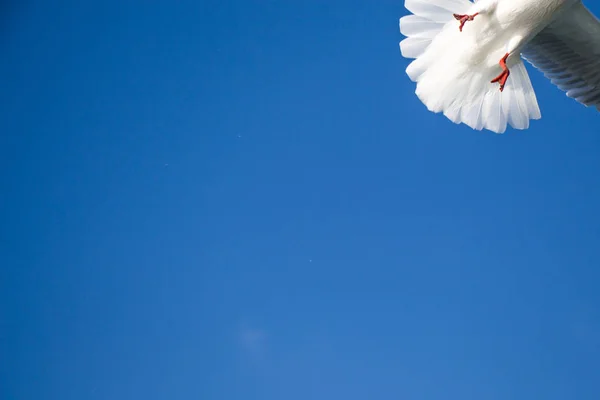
point(231, 199)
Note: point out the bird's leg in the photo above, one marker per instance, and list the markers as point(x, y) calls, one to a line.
point(463, 18)
point(512, 47)
point(480, 7)
point(501, 79)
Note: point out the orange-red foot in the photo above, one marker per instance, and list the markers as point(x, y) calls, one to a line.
point(463, 19)
point(502, 78)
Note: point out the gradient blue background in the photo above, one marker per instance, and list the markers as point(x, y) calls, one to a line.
point(235, 199)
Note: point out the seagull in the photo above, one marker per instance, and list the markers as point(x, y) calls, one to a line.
point(468, 57)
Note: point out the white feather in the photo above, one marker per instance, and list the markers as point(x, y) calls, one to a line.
point(453, 70)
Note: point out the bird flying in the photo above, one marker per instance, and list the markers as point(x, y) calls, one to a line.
point(468, 57)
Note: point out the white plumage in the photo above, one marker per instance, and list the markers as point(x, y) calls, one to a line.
point(454, 69)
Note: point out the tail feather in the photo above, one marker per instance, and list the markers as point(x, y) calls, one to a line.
point(437, 10)
point(450, 80)
point(413, 47)
point(415, 26)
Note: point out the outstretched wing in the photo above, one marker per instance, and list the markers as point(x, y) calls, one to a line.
point(568, 53)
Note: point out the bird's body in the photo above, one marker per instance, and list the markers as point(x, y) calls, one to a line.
point(516, 21)
point(527, 16)
point(456, 70)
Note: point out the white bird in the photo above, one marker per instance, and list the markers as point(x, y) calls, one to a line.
point(468, 61)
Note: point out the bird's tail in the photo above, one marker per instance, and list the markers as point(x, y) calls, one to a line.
point(454, 79)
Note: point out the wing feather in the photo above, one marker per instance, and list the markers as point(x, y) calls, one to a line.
point(568, 53)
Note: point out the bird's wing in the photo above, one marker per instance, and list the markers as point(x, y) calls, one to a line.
point(568, 53)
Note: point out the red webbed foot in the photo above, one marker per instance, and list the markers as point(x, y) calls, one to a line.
point(503, 77)
point(463, 19)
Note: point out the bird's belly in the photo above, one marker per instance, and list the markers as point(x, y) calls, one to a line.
point(511, 18)
point(527, 15)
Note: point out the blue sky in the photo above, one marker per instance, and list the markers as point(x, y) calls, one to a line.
point(245, 200)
